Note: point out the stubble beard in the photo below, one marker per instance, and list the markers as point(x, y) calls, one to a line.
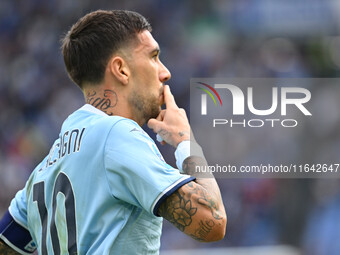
point(145, 107)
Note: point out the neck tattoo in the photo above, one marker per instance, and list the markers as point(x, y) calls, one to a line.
point(103, 101)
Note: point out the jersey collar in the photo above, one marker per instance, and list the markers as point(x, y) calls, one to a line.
point(91, 108)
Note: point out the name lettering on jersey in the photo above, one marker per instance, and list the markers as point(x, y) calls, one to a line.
point(69, 142)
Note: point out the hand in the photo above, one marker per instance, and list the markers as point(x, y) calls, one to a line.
point(172, 123)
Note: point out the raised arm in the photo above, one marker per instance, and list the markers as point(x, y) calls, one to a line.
point(196, 208)
point(6, 250)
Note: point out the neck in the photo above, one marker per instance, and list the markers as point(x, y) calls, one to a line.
point(109, 101)
point(105, 100)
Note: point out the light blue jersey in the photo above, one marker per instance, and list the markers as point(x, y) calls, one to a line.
point(98, 190)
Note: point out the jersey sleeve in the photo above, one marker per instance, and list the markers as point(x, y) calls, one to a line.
point(136, 170)
point(13, 226)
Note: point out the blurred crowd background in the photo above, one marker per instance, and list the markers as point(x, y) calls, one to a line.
point(218, 38)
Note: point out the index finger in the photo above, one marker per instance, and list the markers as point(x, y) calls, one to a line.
point(169, 99)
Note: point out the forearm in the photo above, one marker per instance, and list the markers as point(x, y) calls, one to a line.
point(197, 208)
point(6, 250)
point(213, 198)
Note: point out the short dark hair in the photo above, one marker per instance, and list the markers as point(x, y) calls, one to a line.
point(92, 40)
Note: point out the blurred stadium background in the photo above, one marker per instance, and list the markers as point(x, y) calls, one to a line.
point(230, 38)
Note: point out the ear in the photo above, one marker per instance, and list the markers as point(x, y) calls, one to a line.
point(119, 69)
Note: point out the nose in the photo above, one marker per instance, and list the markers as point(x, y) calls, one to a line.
point(164, 73)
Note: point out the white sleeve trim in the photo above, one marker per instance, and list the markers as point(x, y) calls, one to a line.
point(16, 220)
point(165, 193)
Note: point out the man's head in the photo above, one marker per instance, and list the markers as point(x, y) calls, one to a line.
point(91, 42)
point(115, 50)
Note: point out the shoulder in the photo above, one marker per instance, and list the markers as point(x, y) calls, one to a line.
point(129, 130)
point(126, 136)
point(97, 126)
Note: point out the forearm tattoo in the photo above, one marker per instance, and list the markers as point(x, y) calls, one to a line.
point(165, 134)
point(183, 133)
point(178, 210)
point(205, 199)
point(203, 230)
point(6, 250)
point(189, 166)
point(105, 102)
point(180, 207)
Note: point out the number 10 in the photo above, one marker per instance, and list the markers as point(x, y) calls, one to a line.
point(62, 185)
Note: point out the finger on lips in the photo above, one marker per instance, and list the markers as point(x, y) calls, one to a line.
point(168, 97)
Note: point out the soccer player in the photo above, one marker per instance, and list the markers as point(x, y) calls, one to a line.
point(104, 187)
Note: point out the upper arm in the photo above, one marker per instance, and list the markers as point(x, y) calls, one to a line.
point(192, 210)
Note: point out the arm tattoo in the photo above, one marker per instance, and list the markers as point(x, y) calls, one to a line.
point(105, 102)
point(6, 250)
point(164, 133)
point(204, 229)
point(183, 133)
point(205, 199)
point(178, 210)
point(193, 198)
